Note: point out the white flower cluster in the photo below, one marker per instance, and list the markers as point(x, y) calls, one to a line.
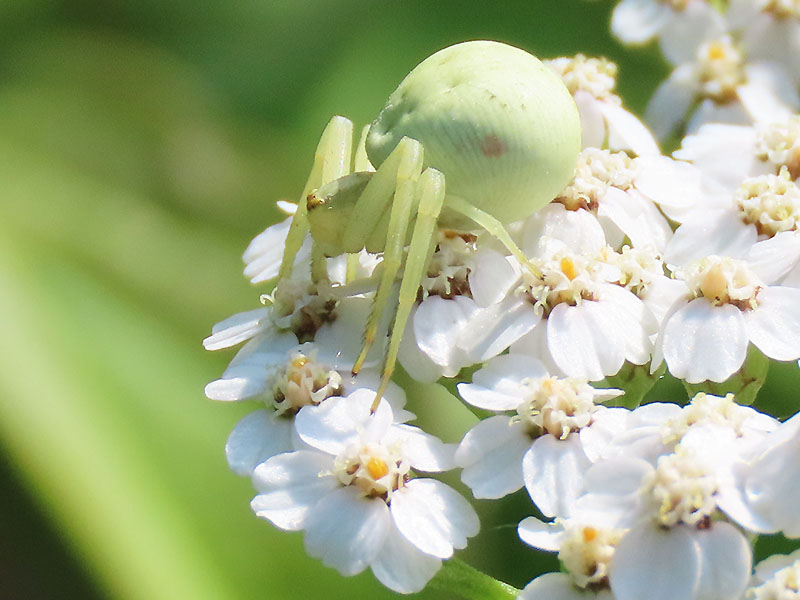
point(738, 65)
point(643, 263)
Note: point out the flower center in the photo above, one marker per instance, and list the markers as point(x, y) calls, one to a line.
point(681, 490)
point(302, 307)
point(779, 143)
point(678, 5)
point(586, 553)
point(770, 202)
point(564, 279)
point(558, 406)
point(783, 585)
point(303, 381)
point(448, 272)
point(597, 76)
point(723, 280)
point(638, 267)
point(706, 409)
point(375, 469)
point(721, 69)
point(780, 9)
point(595, 172)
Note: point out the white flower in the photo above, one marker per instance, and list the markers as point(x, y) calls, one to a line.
point(604, 122)
point(546, 445)
point(731, 153)
point(603, 184)
point(776, 578)
point(728, 87)
point(680, 25)
point(769, 29)
point(675, 547)
point(759, 224)
point(355, 495)
point(771, 481)
point(464, 295)
point(287, 376)
point(585, 551)
point(706, 335)
point(677, 187)
point(588, 322)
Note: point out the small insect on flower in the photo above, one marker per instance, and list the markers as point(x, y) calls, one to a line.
point(478, 135)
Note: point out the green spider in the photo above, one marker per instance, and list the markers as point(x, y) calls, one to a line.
point(477, 135)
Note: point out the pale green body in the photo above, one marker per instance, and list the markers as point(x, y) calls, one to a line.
point(499, 124)
point(477, 135)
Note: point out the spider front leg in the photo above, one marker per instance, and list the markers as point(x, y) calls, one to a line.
point(396, 178)
point(331, 161)
point(431, 189)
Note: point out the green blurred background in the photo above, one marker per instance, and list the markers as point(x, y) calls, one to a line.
point(142, 145)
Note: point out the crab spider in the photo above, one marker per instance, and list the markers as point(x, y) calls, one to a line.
point(477, 135)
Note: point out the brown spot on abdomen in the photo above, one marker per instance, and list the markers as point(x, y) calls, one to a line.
point(493, 146)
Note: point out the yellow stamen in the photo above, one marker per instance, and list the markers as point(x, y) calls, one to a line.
point(377, 468)
point(568, 268)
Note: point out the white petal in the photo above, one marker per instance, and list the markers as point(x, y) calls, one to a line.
point(401, 566)
point(725, 152)
point(702, 234)
point(553, 471)
point(593, 123)
point(236, 329)
point(579, 230)
point(627, 132)
point(774, 258)
point(545, 536)
point(497, 386)
point(559, 586)
point(257, 437)
point(419, 365)
point(424, 452)
point(491, 330)
point(290, 485)
point(339, 342)
point(606, 424)
point(725, 562)
point(688, 29)
point(675, 186)
point(769, 94)
point(709, 111)
point(347, 530)
point(433, 517)
point(636, 216)
point(340, 421)
point(491, 456)
point(655, 564)
point(437, 324)
point(704, 342)
point(583, 341)
point(264, 254)
point(491, 277)
point(632, 321)
point(671, 101)
point(774, 326)
point(637, 21)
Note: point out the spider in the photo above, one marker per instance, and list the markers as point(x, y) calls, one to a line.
point(477, 135)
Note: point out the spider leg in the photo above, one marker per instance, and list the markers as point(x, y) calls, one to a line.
point(431, 189)
point(360, 163)
point(493, 227)
point(405, 165)
point(331, 161)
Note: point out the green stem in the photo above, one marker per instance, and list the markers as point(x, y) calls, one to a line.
point(457, 577)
